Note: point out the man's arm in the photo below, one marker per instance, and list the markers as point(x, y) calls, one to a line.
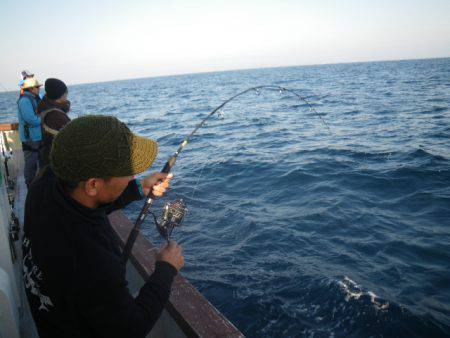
point(28, 113)
point(111, 311)
point(104, 300)
point(137, 189)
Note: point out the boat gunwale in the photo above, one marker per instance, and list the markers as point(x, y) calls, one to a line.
point(9, 126)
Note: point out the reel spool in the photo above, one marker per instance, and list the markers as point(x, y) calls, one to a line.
point(172, 217)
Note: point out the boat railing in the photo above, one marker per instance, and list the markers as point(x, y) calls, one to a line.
point(11, 197)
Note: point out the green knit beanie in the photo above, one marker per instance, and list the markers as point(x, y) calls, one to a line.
point(98, 146)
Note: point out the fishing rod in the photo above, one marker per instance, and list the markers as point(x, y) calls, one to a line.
point(174, 212)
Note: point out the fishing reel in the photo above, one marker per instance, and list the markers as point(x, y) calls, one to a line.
point(172, 217)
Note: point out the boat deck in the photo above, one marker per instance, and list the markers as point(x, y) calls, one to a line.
point(27, 327)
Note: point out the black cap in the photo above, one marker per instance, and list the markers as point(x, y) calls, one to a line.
point(55, 88)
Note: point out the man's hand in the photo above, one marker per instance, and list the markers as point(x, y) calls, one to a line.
point(172, 254)
point(157, 183)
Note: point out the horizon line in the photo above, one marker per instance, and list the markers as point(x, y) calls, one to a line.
point(243, 69)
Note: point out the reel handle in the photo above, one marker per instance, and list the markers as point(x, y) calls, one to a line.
point(143, 214)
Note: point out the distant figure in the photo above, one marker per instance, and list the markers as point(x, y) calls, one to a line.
point(26, 74)
point(30, 127)
point(74, 274)
point(53, 111)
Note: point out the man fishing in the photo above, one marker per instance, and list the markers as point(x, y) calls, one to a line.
point(30, 127)
point(73, 271)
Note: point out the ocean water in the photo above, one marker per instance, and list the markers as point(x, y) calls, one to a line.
point(293, 231)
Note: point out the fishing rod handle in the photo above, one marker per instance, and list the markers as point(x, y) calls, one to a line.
point(129, 244)
point(135, 231)
point(169, 164)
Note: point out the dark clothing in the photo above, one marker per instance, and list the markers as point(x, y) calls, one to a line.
point(32, 154)
point(54, 117)
point(73, 272)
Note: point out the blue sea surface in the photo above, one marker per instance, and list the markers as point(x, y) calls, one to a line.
point(293, 231)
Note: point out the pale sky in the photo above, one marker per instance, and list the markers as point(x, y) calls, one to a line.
point(101, 40)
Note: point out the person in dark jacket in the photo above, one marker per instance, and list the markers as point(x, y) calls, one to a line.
point(52, 110)
point(73, 272)
point(30, 127)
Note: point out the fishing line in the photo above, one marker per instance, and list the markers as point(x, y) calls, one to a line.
point(174, 212)
point(4, 88)
point(198, 180)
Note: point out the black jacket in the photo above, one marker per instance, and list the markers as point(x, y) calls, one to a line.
point(73, 273)
point(55, 117)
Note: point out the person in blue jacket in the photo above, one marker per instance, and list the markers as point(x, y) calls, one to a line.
point(30, 127)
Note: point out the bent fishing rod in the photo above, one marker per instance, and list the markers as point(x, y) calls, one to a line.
point(173, 213)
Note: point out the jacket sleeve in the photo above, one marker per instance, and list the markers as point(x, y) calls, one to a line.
point(28, 113)
point(111, 311)
point(131, 193)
